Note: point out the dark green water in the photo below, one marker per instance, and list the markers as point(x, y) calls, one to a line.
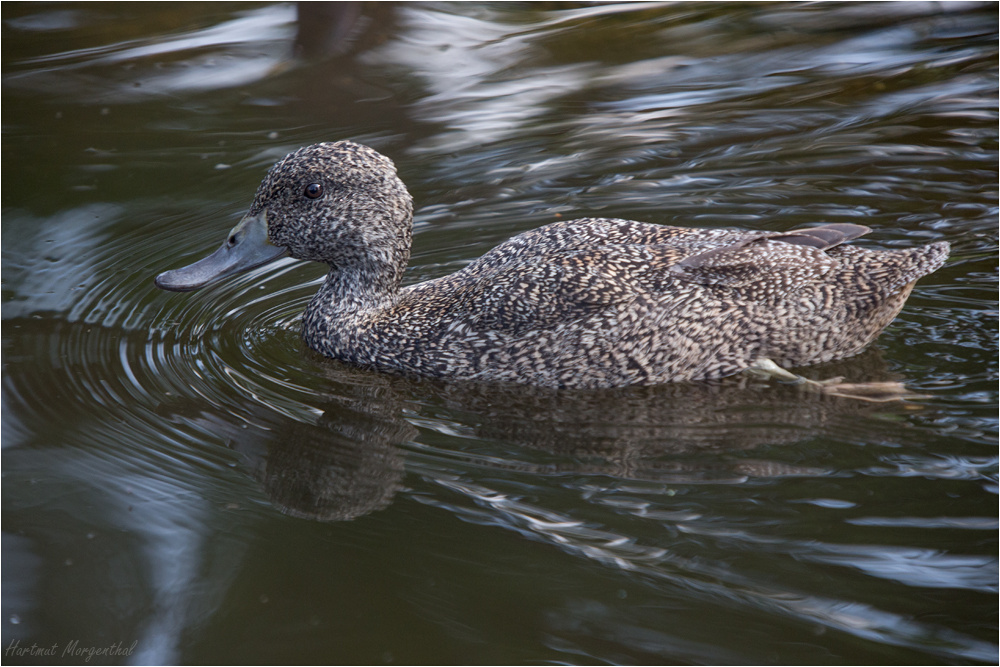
point(183, 479)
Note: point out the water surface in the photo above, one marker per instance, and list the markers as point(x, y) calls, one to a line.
point(183, 476)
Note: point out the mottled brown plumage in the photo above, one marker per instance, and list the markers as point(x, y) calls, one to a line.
point(593, 302)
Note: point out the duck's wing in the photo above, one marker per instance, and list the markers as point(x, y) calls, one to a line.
point(571, 271)
point(554, 274)
point(572, 236)
point(540, 292)
point(823, 237)
point(775, 266)
point(768, 266)
point(547, 290)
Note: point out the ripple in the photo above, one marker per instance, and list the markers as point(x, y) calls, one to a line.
point(593, 541)
point(926, 568)
point(217, 57)
point(177, 422)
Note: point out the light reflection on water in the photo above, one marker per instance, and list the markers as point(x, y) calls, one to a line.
point(182, 472)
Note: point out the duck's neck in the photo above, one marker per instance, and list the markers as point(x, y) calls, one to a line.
point(351, 298)
point(357, 288)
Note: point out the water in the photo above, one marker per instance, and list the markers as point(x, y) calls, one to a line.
point(185, 481)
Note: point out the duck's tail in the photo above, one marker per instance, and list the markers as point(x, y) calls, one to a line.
point(893, 270)
point(927, 259)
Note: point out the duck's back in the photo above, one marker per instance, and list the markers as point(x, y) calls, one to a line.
point(604, 302)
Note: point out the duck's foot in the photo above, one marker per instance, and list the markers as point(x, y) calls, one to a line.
point(873, 392)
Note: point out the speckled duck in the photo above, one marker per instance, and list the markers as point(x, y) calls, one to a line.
point(594, 302)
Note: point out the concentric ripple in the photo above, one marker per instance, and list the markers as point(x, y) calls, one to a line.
point(182, 469)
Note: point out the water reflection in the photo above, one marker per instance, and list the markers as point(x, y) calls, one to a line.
point(625, 459)
point(330, 29)
point(145, 65)
point(184, 473)
point(350, 463)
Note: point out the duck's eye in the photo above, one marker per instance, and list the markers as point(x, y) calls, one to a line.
point(313, 191)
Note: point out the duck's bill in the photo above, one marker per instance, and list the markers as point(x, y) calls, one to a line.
point(246, 248)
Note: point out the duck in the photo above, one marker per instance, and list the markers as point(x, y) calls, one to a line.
point(588, 303)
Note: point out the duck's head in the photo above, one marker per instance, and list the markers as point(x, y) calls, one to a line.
point(338, 203)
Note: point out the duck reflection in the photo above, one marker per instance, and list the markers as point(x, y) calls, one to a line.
point(353, 460)
point(345, 466)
